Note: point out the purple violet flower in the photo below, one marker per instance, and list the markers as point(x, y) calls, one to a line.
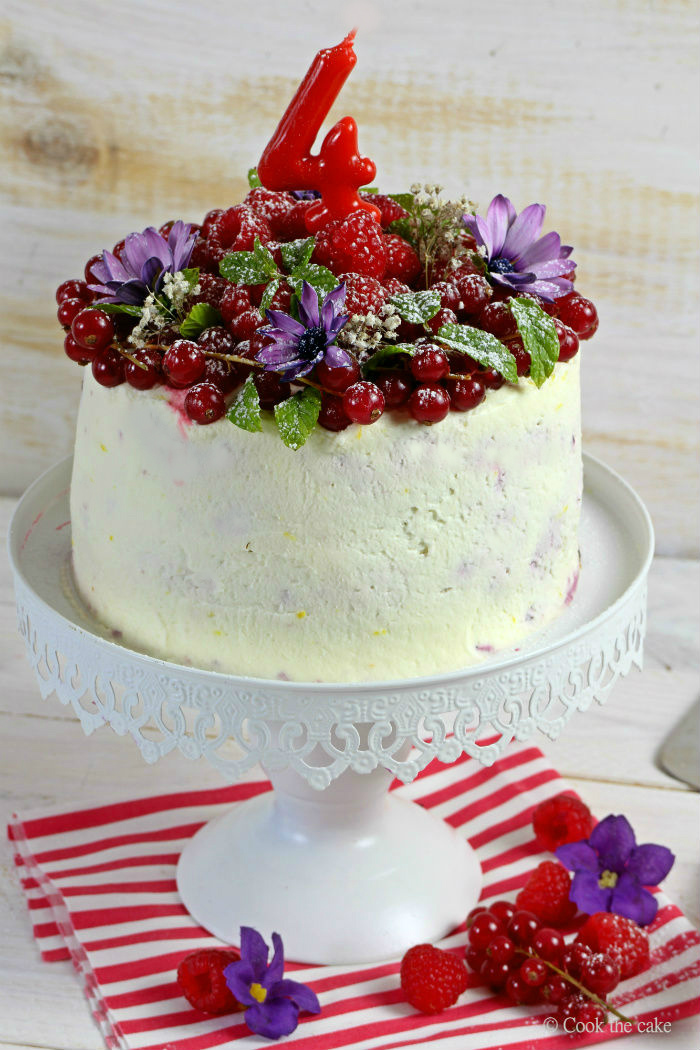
point(611, 870)
point(516, 256)
point(299, 345)
point(145, 259)
point(306, 195)
point(273, 1002)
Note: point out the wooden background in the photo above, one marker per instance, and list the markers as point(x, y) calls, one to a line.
point(116, 115)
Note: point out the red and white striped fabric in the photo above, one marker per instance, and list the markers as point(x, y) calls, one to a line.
point(100, 886)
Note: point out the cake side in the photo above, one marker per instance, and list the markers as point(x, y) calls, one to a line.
point(375, 553)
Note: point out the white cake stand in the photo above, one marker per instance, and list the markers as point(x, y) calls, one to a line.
point(344, 870)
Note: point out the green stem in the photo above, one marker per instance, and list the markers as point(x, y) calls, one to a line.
point(572, 980)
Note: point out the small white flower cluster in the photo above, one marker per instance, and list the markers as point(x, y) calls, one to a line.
point(176, 288)
point(437, 229)
point(364, 333)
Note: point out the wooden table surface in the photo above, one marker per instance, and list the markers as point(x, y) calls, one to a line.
point(607, 754)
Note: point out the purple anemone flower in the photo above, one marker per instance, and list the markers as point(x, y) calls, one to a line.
point(146, 257)
point(611, 870)
point(273, 1002)
point(299, 345)
point(306, 195)
point(516, 256)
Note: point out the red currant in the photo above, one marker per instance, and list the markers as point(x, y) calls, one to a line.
point(332, 415)
point(474, 292)
point(443, 316)
point(483, 930)
point(579, 314)
point(165, 229)
point(205, 403)
point(518, 991)
point(271, 389)
point(464, 395)
point(89, 275)
point(216, 340)
point(534, 972)
point(522, 358)
point(568, 1009)
point(396, 387)
point(246, 324)
point(503, 910)
point(474, 958)
point(118, 248)
point(500, 949)
point(573, 957)
point(234, 301)
point(144, 378)
point(589, 1016)
point(495, 973)
point(68, 310)
point(76, 352)
point(108, 368)
point(337, 379)
point(449, 294)
point(600, 973)
point(430, 364)
point(555, 989)
point(429, 404)
point(93, 329)
point(548, 944)
point(491, 379)
point(227, 375)
point(522, 927)
point(478, 910)
point(73, 290)
point(363, 403)
point(568, 341)
point(497, 319)
point(184, 363)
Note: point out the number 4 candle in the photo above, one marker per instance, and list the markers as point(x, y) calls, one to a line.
point(337, 171)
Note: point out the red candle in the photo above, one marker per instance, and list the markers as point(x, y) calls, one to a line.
point(337, 171)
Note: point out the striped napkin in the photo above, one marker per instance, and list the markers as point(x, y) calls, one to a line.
point(100, 887)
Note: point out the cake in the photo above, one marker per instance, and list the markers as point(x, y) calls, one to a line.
point(337, 450)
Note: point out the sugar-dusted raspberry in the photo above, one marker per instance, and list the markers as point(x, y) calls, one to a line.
point(246, 324)
point(394, 286)
point(292, 225)
point(401, 258)
point(282, 299)
point(236, 230)
point(202, 257)
point(209, 219)
point(270, 205)
point(201, 978)
point(363, 295)
point(561, 819)
point(474, 292)
point(449, 294)
point(211, 290)
point(389, 209)
point(546, 894)
point(431, 978)
point(354, 244)
point(235, 301)
point(620, 938)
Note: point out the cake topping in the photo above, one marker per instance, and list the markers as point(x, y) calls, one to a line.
point(310, 289)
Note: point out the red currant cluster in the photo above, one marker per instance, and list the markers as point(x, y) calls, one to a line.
point(373, 262)
point(513, 952)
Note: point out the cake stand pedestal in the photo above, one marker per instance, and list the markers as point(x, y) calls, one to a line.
point(345, 870)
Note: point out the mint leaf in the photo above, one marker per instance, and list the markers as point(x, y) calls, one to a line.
point(201, 316)
point(117, 308)
point(322, 280)
point(269, 294)
point(256, 267)
point(404, 199)
point(402, 227)
point(191, 275)
point(245, 410)
point(253, 178)
point(482, 346)
point(539, 337)
point(389, 355)
point(369, 189)
point(416, 307)
point(297, 416)
point(296, 254)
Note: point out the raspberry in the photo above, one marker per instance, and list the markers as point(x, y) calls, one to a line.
point(235, 301)
point(236, 231)
point(363, 295)
point(201, 978)
point(395, 287)
point(272, 206)
point(561, 819)
point(211, 289)
point(354, 244)
point(546, 894)
point(401, 258)
point(432, 979)
point(389, 209)
point(292, 225)
point(246, 324)
point(209, 219)
point(620, 938)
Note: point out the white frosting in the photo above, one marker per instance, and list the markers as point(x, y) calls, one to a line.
point(380, 552)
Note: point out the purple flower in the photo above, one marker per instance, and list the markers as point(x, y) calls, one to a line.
point(273, 1002)
point(299, 345)
point(145, 259)
point(516, 256)
point(306, 195)
point(611, 871)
